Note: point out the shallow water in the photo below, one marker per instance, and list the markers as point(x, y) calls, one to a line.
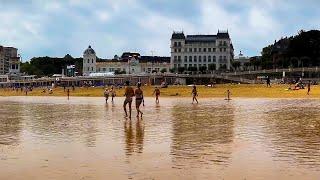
point(52, 138)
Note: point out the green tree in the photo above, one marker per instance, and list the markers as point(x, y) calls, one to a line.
point(181, 69)
point(163, 70)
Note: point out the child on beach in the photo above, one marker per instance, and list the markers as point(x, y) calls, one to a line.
point(228, 95)
point(139, 98)
point(157, 93)
point(194, 94)
point(129, 93)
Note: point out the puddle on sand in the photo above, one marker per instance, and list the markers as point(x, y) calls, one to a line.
point(83, 138)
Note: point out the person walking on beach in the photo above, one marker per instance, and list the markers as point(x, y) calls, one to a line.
point(157, 93)
point(68, 93)
point(129, 93)
point(268, 81)
point(113, 93)
point(106, 94)
point(194, 94)
point(139, 98)
point(309, 87)
point(228, 95)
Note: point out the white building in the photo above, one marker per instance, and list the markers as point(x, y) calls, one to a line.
point(243, 61)
point(201, 51)
point(89, 61)
point(128, 63)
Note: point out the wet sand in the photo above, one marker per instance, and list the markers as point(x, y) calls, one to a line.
point(83, 138)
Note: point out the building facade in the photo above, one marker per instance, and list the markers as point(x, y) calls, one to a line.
point(128, 63)
point(207, 51)
point(9, 60)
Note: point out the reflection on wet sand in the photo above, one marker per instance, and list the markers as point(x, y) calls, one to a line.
point(84, 138)
point(62, 122)
point(134, 136)
point(295, 134)
point(10, 123)
point(202, 134)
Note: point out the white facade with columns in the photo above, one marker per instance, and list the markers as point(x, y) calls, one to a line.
point(89, 61)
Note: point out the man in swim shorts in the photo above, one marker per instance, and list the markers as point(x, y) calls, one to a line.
point(129, 93)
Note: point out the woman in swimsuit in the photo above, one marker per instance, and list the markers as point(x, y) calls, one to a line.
point(139, 98)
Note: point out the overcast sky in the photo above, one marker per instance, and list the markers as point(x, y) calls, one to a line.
point(55, 28)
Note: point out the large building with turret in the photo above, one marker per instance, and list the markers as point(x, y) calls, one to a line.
point(128, 63)
point(201, 51)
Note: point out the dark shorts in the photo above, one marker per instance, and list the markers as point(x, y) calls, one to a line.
point(128, 100)
point(138, 101)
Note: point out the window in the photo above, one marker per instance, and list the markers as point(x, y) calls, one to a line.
point(88, 69)
point(88, 61)
point(185, 65)
point(213, 49)
point(204, 58)
point(92, 60)
point(185, 50)
point(190, 58)
point(213, 58)
point(190, 65)
point(104, 69)
point(179, 43)
point(224, 43)
point(190, 49)
point(185, 58)
point(175, 59)
point(199, 58)
point(195, 58)
point(209, 58)
point(195, 50)
point(175, 50)
point(199, 49)
point(91, 68)
point(225, 49)
point(179, 50)
point(175, 44)
point(220, 49)
point(209, 49)
point(220, 58)
point(204, 49)
point(179, 58)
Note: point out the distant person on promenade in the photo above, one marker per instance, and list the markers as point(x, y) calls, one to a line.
point(129, 93)
point(268, 81)
point(106, 94)
point(113, 93)
point(139, 98)
point(194, 94)
point(157, 93)
point(309, 87)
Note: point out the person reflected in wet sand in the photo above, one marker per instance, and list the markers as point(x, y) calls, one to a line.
point(139, 98)
point(129, 93)
point(194, 94)
point(157, 93)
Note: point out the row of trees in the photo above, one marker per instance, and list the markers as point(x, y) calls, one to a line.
point(302, 50)
point(47, 66)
